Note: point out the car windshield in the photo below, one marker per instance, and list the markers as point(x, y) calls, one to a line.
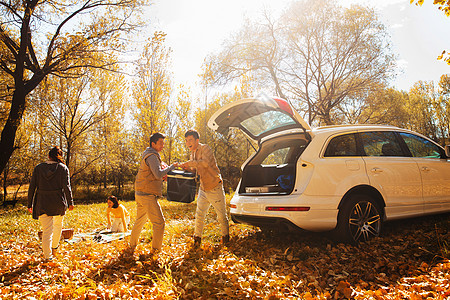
point(267, 121)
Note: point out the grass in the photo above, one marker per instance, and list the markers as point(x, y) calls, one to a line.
point(88, 217)
point(18, 227)
point(255, 265)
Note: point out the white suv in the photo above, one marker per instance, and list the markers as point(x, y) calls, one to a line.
point(347, 178)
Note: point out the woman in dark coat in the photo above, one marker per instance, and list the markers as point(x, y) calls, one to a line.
point(49, 196)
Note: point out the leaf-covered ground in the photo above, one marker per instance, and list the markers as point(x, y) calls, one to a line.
point(410, 261)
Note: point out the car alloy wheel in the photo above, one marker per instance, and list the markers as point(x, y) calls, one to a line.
point(359, 219)
point(364, 221)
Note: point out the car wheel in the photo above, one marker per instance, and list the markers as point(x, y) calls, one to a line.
point(359, 219)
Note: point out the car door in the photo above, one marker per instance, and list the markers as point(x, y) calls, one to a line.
point(258, 117)
point(395, 175)
point(434, 168)
point(341, 166)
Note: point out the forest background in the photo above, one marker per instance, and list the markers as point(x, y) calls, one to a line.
point(70, 76)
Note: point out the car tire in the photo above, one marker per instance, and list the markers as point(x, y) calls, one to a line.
point(359, 219)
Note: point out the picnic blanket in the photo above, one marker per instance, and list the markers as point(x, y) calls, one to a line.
point(99, 236)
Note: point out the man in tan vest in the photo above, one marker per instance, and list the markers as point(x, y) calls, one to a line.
point(148, 187)
point(211, 192)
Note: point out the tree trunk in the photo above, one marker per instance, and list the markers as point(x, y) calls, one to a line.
point(69, 153)
point(17, 191)
point(105, 184)
point(5, 184)
point(8, 135)
point(21, 90)
point(326, 118)
point(119, 185)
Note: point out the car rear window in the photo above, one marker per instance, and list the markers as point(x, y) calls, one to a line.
point(266, 122)
point(343, 145)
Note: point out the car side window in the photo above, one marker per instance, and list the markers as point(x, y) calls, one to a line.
point(380, 143)
point(421, 147)
point(343, 145)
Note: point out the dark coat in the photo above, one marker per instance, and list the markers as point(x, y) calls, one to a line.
point(49, 191)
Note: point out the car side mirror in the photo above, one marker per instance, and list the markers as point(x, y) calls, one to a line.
point(447, 150)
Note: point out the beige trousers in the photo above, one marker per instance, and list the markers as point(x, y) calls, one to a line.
point(117, 224)
point(51, 233)
point(216, 198)
point(147, 207)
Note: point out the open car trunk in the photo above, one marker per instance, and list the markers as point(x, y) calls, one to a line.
point(272, 170)
point(271, 122)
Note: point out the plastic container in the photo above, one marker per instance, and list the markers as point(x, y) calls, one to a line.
point(181, 186)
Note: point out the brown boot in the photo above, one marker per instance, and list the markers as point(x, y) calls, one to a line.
point(226, 239)
point(54, 251)
point(197, 241)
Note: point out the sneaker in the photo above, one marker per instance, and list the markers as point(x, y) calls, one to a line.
point(226, 239)
point(128, 252)
point(48, 259)
point(197, 241)
point(152, 255)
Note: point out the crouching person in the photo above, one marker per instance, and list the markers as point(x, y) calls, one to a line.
point(121, 215)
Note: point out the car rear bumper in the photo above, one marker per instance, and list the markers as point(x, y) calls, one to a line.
point(252, 210)
point(264, 222)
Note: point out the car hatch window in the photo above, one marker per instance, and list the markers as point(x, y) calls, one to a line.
point(421, 147)
point(380, 143)
point(267, 121)
point(343, 145)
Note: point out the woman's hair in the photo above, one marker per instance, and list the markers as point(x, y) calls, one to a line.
point(114, 200)
point(55, 154)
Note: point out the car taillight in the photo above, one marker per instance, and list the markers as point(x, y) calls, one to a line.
point(287, 208)
point(284, 105)
point(233, 206)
